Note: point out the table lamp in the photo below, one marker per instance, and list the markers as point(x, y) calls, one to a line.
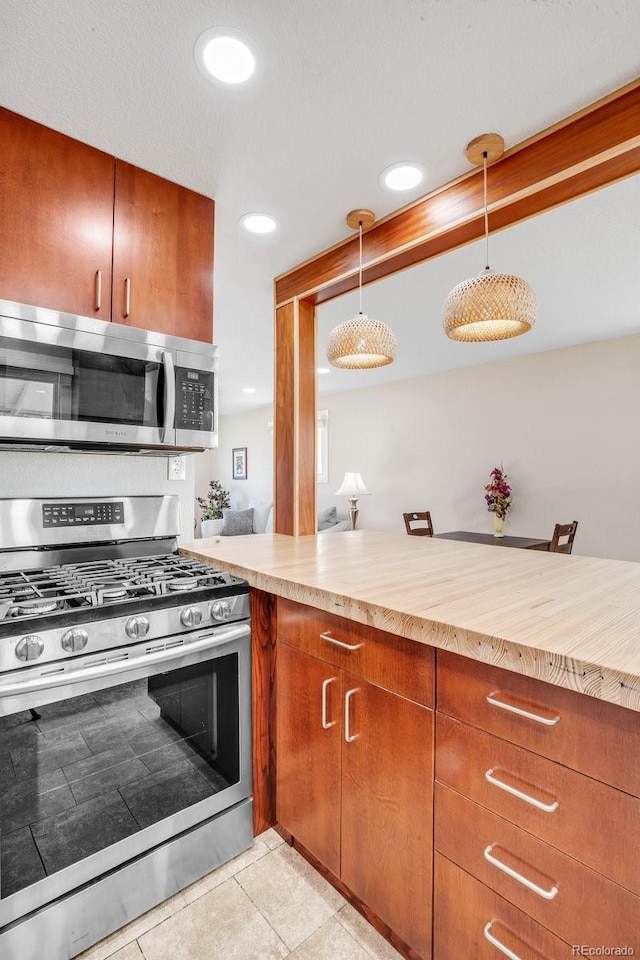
point(352, 486)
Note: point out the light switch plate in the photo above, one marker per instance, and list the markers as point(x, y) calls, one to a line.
point(176, 468)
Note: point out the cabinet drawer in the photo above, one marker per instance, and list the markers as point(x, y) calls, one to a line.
point(589, 735)
point(572, 901)
point(469, 918)
point(400, 665)
point(552, 802)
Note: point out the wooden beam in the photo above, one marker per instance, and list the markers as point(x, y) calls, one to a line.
point(587, 151)
point(583, 153)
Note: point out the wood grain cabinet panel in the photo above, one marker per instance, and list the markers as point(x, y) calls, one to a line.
point(469, 918)
point(395, 663)
point(354, 763)
point(162, 255)
point(308, 749)
point(387, 808)
point(588, 735)
point(56, 197)
point(562, 807)
point(572, 901)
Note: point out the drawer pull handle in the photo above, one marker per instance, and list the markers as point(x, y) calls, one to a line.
point(326, 724)
point(348, 736)
point(98, 290)
point(547, 721)
point(499, 946)
point(340, 643)
point(529, 884)
point(547, 807)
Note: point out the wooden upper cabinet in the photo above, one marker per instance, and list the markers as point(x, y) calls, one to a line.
point(56, 208)
point(162, 255)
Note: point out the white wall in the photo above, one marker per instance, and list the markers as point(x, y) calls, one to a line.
point(253, 430)
point(562, 423)
point(89, 475)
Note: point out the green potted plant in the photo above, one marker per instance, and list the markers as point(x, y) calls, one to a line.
point(211, 508)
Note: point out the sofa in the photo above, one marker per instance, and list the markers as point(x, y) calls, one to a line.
point(258, 518)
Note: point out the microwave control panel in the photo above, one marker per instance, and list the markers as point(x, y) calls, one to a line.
point(194, 400)
point(82, 514)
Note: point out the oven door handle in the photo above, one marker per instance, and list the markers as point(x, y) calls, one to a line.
point(105, 671)
point(169, 397)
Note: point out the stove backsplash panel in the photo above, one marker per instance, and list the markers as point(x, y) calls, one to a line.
point(87, 474)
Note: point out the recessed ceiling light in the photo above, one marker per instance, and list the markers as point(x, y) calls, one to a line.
point(402, 176)
point(248, 389)
point(258, 222)
point(224, 55)
point(323, 370)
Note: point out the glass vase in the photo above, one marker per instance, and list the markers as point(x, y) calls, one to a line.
point(498, 526)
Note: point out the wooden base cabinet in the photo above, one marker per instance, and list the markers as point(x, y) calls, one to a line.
point(355, 779)
point(537, 815)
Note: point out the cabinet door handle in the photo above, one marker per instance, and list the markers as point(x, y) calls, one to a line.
point(547, 807)
point(496, 943)
point(529, 884)
point(340, 643)
point(127, 297)
point(98, 290)
point(348, 736)
point(325, 686)
point(511, 708)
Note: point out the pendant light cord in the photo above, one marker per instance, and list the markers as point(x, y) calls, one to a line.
point(360, 270)
point(486, 213)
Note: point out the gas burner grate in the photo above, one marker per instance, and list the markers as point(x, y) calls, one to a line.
point(98, 583)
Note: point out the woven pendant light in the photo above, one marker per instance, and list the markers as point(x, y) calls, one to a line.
point(491, 306)
point(362, 342)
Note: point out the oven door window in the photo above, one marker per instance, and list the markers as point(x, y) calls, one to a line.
point(79, 775)
point(49, 382)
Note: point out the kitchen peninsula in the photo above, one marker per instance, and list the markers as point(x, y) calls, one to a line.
point(515, 674)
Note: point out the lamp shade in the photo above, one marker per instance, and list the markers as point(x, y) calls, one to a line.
point(361, 343)
point(352, 486)
point(491, 306)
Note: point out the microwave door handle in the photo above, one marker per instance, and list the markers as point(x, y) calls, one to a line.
point(169, 397)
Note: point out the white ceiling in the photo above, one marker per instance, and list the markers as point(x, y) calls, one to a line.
point(344, 88)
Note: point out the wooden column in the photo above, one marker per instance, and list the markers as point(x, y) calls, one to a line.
point(295, 419)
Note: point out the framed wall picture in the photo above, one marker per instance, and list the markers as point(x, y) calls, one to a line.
point(239, 455)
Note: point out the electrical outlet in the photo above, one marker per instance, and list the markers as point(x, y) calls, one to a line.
point(176, 468)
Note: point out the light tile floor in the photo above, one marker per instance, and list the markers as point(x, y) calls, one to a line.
point(267, 904)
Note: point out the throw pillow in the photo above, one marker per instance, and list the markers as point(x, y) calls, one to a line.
point(236, 522)
point(261, 511)
point(327, 516)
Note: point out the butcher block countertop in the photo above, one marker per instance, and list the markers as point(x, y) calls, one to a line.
point(572, 621)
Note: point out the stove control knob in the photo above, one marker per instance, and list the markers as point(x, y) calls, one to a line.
point(75, 640)
point(191, 617)
point(29, 648)
point(136, 627)
point(220, 610)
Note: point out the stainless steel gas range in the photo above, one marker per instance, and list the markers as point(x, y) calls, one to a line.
point(125, 718)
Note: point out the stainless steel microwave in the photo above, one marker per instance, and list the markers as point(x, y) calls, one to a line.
point(76, 383)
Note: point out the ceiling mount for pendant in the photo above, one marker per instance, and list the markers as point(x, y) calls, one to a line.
point(362, 342)
point(491, 306)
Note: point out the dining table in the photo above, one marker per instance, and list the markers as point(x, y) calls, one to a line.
point(469, 536)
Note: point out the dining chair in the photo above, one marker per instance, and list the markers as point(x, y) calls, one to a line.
point(562, 531)
point(422, 517)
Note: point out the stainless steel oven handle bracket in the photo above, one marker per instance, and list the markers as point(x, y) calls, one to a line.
point(169, 395)
point(107, 670)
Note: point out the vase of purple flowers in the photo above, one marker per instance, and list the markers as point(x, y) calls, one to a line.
point(498, 499)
